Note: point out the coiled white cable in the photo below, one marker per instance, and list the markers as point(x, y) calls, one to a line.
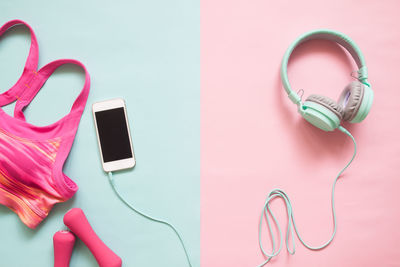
point(278, 193)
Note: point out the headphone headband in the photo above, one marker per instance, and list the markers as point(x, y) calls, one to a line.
point(341, 39)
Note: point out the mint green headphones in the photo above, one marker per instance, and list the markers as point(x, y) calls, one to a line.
point(354, 102)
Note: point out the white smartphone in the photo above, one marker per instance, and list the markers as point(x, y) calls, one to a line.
point(113, 135)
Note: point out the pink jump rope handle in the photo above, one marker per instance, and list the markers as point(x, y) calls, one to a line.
point(63, 242)
point(76, 221)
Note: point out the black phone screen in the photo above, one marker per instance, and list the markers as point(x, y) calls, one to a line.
point(113, 134)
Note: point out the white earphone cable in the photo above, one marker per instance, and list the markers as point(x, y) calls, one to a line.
point(112, 182)
point(278, 193)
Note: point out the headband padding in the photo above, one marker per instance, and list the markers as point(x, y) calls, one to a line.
point(342, 40)
point(328, 103)
point(350, 99)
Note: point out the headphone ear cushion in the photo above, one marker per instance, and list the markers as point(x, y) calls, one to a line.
point(328, 103)
point(350, 100)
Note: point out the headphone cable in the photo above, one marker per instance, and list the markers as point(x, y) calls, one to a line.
point(278, 193)
point(112, 182)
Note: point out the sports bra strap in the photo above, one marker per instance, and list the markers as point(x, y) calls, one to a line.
point(30, 68)
point(40, 79)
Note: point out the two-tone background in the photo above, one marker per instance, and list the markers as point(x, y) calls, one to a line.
point(213, 130)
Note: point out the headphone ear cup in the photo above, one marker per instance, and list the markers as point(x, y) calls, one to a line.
point(322, 112)
point(350, 99)
point(356, 100)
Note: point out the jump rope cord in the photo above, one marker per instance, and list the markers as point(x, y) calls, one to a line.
point(278, 193)
point(112, 182)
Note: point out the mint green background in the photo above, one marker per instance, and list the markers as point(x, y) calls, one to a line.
point(146, 52)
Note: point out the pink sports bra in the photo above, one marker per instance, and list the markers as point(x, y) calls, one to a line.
point(32, 157)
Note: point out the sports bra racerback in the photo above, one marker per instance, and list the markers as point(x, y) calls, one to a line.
point(32, 157)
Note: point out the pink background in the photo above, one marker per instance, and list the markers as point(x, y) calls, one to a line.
point(253, 140)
